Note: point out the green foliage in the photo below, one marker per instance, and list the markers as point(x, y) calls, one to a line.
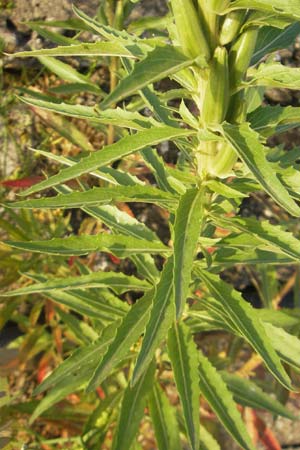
point(124, 350)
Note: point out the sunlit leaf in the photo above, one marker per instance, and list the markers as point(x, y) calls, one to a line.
point(183, 355)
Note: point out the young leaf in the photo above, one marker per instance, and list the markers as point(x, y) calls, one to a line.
point(130, 330)
point(189, 216)
point(158, 64)
point(164, 420)
point(111, 153)
point(161, 318)
point(247, 393)
point(116, 281)
point(118, 245)
point(216, 393)
point(132, 410)
point(245, 142)
point(183, 355)
point(246, 323)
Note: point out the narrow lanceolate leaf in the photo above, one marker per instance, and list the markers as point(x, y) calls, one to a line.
point(207, 441)
point(247, 393)
point(289, 7)
point(274, 119)
point(269, 235)
point(246, 323)
point(272, 39)
point(83, 332)
point(220, 399)
point(226, 256)
point(118, 245)
point(158, 64)
point(245, 142)
point(109, 32)
point(69, 24)
point(82, 360)
point(119, 221)
point(103, 305)
point(158, 167)
point(131, 328)
point(53, 36)
point(71, 162)
point(116, 281)
point(286, 344)
point(161, 318)
point(189, 216)
point(96, 196)
point(132, 410)
point(183, 355)
point(84, 49)
point(274, 75)
point(164, 420)
point(65, 128)
point(107, 155)
point(73, 373)
point(117, 117)
point(63, 70)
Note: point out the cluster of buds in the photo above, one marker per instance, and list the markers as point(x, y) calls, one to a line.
point(211, 30)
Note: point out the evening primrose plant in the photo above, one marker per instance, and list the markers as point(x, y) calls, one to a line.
point(222, 55)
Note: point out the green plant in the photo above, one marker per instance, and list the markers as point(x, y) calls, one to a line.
point(217, 56)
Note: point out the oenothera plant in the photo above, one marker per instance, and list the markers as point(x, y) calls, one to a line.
point(221, 54)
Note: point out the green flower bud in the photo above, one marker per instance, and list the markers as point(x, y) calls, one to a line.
point(189, 29)
point(231, 26)
point(216, 97)
point(240, 56)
